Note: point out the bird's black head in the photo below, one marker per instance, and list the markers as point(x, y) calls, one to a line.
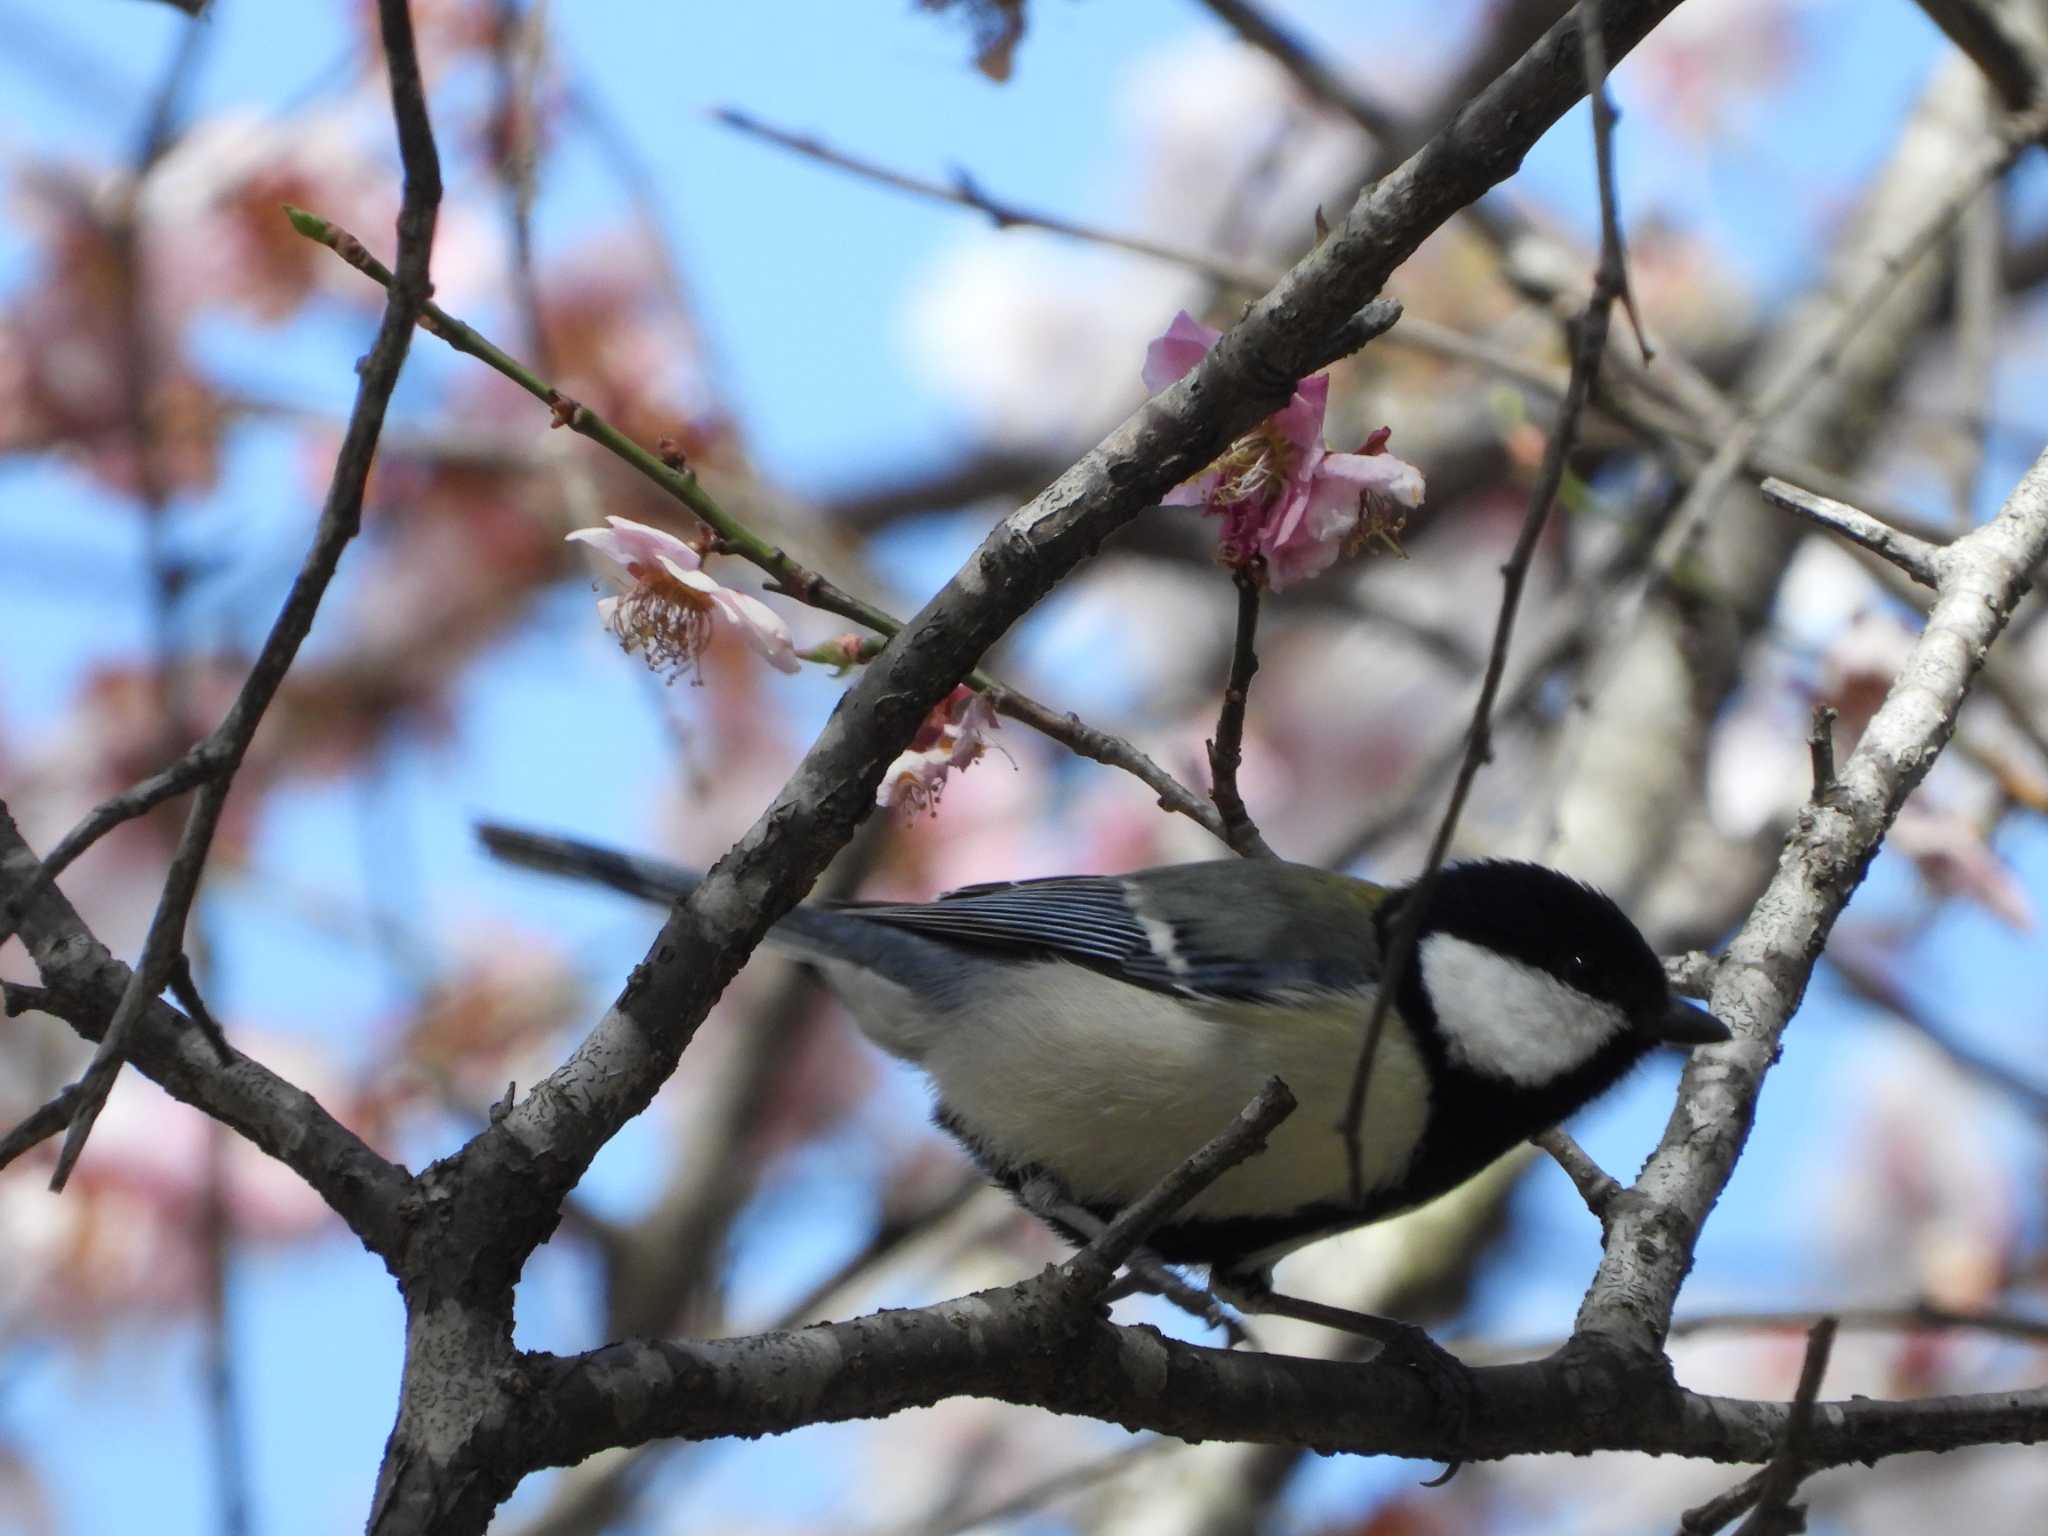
point(1529, 977)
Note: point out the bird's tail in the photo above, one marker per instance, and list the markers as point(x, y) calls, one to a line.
point(885, 976)
point(650, 879)
point(806, 932)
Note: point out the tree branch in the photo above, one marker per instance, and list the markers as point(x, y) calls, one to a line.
point(2002, 39)
point(964, 192)
point(1026, 1344)
point(1226, 750)
point(1760, 980)
point(520, 1168)
point(1595, 1185)
point(1916, 557)
point(1774, 1514)
point(84, 985)
point(1610, 282)
point(787, 574)
point(1823, 347)
point(1245, 1137)
point(1316, 78)
point(340, 517)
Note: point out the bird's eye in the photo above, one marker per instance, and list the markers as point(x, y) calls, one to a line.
point(1577, 970)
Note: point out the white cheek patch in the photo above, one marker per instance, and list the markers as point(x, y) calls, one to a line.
point(1511, 1020)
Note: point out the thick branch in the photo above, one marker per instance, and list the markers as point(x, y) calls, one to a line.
point(1027, 1345)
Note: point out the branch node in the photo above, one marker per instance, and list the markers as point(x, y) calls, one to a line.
point(1820, 745)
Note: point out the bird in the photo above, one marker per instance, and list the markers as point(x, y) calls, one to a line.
point(1098, 1029)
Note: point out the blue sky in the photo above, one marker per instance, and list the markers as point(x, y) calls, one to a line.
point(805, 278)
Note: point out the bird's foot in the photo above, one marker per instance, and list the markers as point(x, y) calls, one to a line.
point(1401, 1344)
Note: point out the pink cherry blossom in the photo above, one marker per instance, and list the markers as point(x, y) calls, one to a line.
point(1286, 501)
point(954, 735)
point(666, 605)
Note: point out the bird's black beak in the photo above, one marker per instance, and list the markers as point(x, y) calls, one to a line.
point(1684, 1022)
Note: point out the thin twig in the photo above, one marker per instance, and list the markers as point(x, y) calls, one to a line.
point(1919, 1317)
point(1308, 71)
point(1820, 747)
point(1864, 973)
point(1226, 750)
point(1144, 1271)
point(1036, 1497)
point(83, 987)
point(1769, 962)
point(1824, 346)
point(1654, 421)
point(964, 193)
point(1243, 1138)
point(1402, 808)
point(1613, 249)
point(1598, 1188)
point(788, 575)
point(50, 1118)
point(223, 1382)
point(1609, 281)
point(1917, 558)
point(1980, 298)
point(339, 520)
point(2000, 39)
point(514, 45)
point(1705, 1519)
point(1774, 1514)
point(197, 766)
point(1112, 751)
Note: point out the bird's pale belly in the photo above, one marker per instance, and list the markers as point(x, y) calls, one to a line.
point(1111, 1110)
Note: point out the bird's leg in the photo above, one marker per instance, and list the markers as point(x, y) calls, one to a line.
point(1149, 1276)
point(1400, 1343)
point(1448, 1378)
point(1145, 1271)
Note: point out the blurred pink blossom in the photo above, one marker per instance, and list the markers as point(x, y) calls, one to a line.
point(666, 604)
point(1284, 498)
point(953, 736)
point(124, 1241)
point(1955, 858)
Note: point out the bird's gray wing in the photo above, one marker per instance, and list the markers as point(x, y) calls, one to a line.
point(1220, 930)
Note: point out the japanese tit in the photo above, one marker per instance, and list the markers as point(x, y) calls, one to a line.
point(1101, 1028)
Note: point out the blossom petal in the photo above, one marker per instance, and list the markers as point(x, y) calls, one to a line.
point(627, 543)
point(914, 779)
point(695, 580)
point(761, 626)
point(764, 630)
point(1300, 420)
point(1380, 473)
point(977, 719)
point(1186, 342)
